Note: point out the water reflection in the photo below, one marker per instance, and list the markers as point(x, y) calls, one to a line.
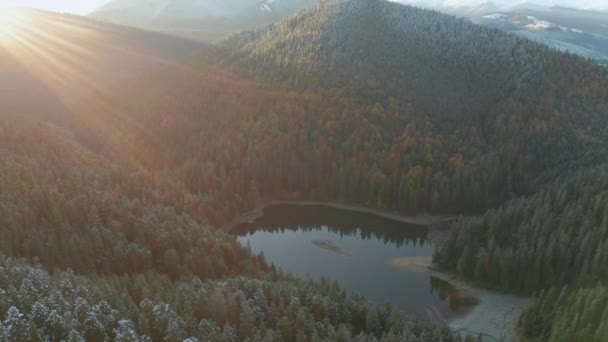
point(356, 250)
point(282, 218)
point(441, 288)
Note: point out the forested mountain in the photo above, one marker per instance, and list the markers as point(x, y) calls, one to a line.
point(510, 113)
point(108, 215)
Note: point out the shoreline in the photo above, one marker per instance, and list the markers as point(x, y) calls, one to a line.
point(495, 315)
point(258, 211)
point(424, 265)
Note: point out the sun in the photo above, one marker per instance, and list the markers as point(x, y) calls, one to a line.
point(10, 20)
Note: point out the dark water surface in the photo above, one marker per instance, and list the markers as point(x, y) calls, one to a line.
point(355, 249)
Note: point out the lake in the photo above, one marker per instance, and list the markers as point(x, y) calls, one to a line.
point(355, 249)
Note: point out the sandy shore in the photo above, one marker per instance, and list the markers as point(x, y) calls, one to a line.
point(425, 220)
point(494, 317)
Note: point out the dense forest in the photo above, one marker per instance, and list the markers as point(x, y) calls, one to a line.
point(509, 113)
point(94, 250)
point(535, 127)
point(554, 243)
point(111, 212)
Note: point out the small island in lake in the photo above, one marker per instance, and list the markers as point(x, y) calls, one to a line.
point(330, 246)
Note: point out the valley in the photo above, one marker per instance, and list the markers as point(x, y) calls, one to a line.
point(128, 155)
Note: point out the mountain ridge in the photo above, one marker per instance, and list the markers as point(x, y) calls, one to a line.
point(212, 17)
point(484, 77)
point(354, 101)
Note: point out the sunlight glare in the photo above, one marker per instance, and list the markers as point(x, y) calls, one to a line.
point(10, 19)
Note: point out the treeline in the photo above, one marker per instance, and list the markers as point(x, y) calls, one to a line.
point(39, 306)
point(348, 223)
point(567, 315)
point(553, 239)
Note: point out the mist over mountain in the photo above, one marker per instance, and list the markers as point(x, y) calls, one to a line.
point(573, 26)
point(470, 6)
point(584, 33)
point(564, 25)
point(72, 67)
point(212, 18)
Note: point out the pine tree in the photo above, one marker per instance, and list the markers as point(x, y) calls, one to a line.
point(466, 262)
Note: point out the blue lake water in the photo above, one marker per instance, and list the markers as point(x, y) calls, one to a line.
point(355, 249)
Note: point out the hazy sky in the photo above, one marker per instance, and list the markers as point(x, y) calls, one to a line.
point(582, 4)
point(72, 6)
point(86, 6)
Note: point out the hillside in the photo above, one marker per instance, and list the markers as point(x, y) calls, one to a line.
point(513, 113)
point(51, 61)
point(96, 250)
point(553, 244)
point(111, 215)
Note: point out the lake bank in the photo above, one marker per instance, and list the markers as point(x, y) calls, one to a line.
point(476, 311)
point(494, 317)
point(258, 211)
point(350, 247)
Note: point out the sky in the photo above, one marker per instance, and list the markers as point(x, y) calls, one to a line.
point(86, 6)
point(581, 4)
point(70, 6)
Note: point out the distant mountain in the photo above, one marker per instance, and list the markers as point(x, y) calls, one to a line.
point(464, 8)
point(213, 17)
point(470, 7)
point(581, 32)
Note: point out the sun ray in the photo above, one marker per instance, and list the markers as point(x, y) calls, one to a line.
point(9, 20)
point(79, 61)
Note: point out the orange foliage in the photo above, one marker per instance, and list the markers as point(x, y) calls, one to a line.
point(455, 160)
point(415, 171)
